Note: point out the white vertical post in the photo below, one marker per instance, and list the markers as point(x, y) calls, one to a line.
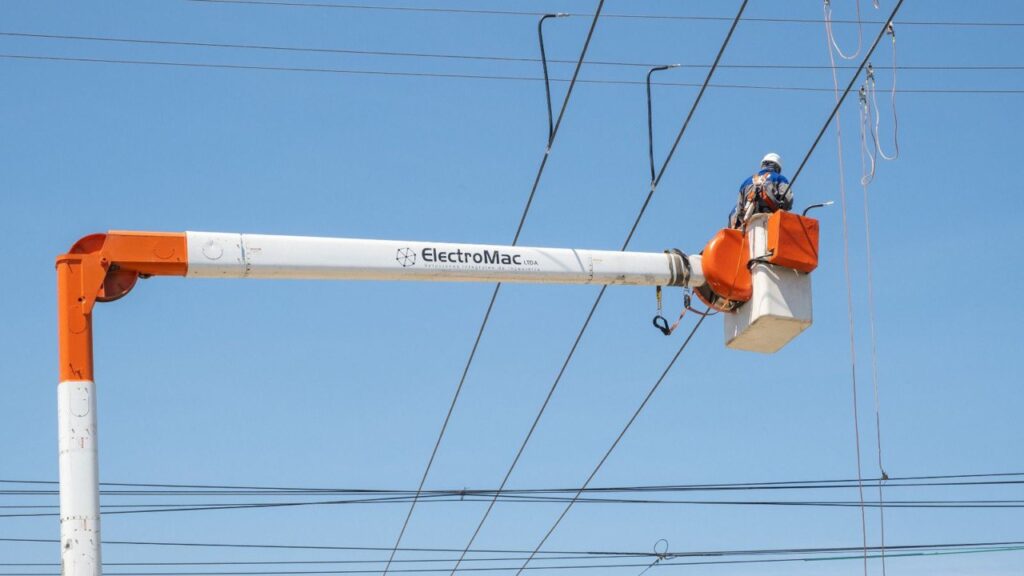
point(79, 479)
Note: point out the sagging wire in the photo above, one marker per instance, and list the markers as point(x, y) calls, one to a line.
point(650, 119)
point(869, 158)
point(891, 31)
point(544, 64)
point(868, 150)
point(832, 38)
point(874, 353)
point(849, 285)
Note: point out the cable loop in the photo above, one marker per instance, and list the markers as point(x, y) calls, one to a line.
point(547, 80)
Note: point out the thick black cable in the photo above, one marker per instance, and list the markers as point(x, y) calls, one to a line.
point(497, 287)
point(842, 98)
point(547, 80)
point(650, 118)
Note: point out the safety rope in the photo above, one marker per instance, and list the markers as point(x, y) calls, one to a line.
point(869, 159)
point(874, 354)
point(849, 295)
point(832, 38)
point(868, 150)
point(892, 97)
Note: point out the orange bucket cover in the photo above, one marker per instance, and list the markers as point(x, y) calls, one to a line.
point(793, 241)
point(724, 261)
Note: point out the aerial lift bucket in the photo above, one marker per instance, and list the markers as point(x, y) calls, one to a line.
point(783, 251)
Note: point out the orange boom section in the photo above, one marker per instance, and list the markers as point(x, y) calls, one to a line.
point(105, 267)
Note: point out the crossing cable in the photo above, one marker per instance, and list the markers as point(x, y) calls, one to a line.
point(497, 287)
point(702, 318)
point(614, 444)
point(600, 295)
point(489, 12)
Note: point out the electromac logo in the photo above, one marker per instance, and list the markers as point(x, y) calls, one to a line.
point(406, 257)
point(451, 259)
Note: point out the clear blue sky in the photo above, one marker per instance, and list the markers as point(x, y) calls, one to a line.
point(346, 385)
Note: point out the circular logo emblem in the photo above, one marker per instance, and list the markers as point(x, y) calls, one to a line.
point(406, 257)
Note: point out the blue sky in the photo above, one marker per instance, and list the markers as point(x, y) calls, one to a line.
point(346, 384)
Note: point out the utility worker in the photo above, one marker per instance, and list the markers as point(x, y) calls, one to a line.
point(765, 192)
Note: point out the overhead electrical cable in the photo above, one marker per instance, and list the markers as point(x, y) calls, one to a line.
point(552, 133)
point(986, 550)
point(609, 16)
point(456, 76)
point(120, 509)
point(468, 57)
point(597, 300)
point(593, 554)
point(618, 439)
point(166, 489)
point(654, 388)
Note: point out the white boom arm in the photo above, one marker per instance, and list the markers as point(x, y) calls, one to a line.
point(220, 255)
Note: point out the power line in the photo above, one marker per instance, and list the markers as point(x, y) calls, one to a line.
point(623, 16)
point(120, 509)
point(438, 75)
point(472, 57)
point(943, 480)
point(588, 553)
point(796, 555)
point(552, 133)
point(597, 302)
point(618, 439)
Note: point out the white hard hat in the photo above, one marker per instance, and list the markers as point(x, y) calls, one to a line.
point(774, 158)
